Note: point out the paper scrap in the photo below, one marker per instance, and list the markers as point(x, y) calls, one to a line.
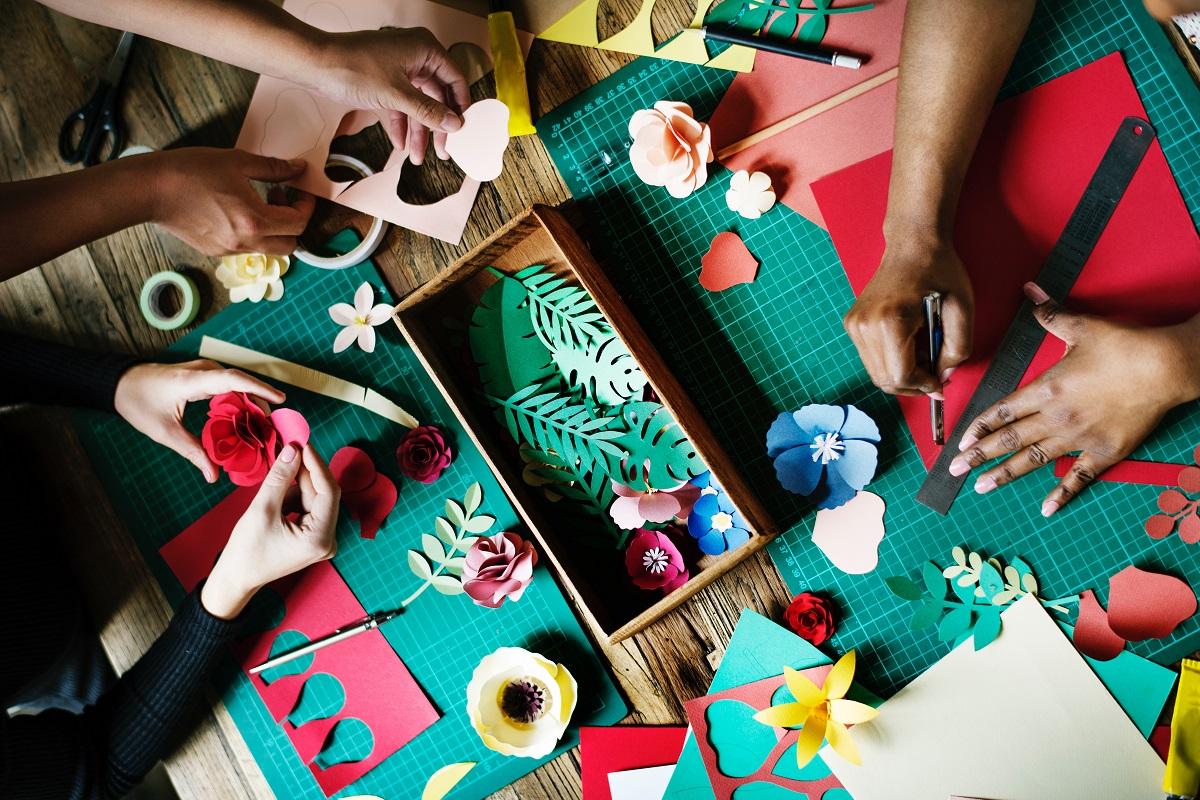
point(445, 779)
point(925, 743)
point(727, 263)
point(304, 377)
point(1093, 636)
point(648, 783)
point(1147, 473)
point(1147, 605)
point(478, 146)
point(750, 195)
point(849, 536)
point(621, 748)
point(368, 495)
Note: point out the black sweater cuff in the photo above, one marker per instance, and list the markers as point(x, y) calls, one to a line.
point(37, 371)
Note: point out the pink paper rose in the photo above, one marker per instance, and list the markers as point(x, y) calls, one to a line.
point(424, 454)
point(498, 567)
point(654, 562)
point(670, 148)
point(239, 437)
point(633, 509)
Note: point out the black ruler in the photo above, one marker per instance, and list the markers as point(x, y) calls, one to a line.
point(1057, 276)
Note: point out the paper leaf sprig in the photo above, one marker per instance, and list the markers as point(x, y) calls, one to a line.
point(1180, 507)
point(823, 711)
point(440, 561)
point(564, 316)
point(981, 589)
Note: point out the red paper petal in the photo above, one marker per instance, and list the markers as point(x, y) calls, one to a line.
point(1159, 526)
point(1093, 637)
point(291, 426)
point(727, 263)
point(372, 505)
point(1189, 529)
point(1147, 605)
point(353, 469)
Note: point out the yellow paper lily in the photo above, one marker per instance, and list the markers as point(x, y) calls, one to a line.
point(822, 710)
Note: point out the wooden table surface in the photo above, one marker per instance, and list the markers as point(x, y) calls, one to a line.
point(89, 297)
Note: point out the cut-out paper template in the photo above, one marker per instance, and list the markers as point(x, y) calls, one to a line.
point(979, 589)
point(670, 147)
point(350, 740)
point(380, 692)
point(442, 782)
point(442, 558)
point(283, 117)
point(850, 535)
point(727, 263)
point(647, 783)
point(750, 195)
point(321, 697)
point(842, 127)
point(825, 453)
point(621, 748)
point(307, 378)
point(1147, 605)
point(359, 320)
point(1180, 508)
point(283, 643)
point(715, 523)
point(368, 495)
point(478, 146)
point(927, 742)
point(1142, 269)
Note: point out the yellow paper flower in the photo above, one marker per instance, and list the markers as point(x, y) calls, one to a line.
point(822, 710)
point(253, 276)
point(520, 702)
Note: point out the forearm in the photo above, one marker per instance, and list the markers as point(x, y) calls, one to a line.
point(953, 59)
point(37, 371)
point(1187, 334)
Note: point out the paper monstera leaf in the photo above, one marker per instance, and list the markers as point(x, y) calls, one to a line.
point(606, 372)
point(503, 341)
point(659, 454)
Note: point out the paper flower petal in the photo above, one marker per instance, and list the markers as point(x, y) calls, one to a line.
point(859, 426)
point(803, 690)
point(727, 263)
point(784, 434)
point(366, 338)
point(1147, 605)
point(658, 507)
point(624, 511)
point(809, 741)
point(835, 492)
point(842, 744)
point(857, 464)
point(342, 313)
point(379, 314)
point(345, 338)
point(784, 715)
point(1093, 637)
point(797, 472)
point(292, 427)
point(818, 418)
point(838, 681)
point(849, 712)
point(364, 296)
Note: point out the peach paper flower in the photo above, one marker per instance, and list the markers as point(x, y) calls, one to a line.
point(670, 148)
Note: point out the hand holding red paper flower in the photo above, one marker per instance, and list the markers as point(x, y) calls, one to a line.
point(424, 454)
point(810, 616)
point(497, 568)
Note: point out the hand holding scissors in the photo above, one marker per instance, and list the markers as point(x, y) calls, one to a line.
point(93, 133)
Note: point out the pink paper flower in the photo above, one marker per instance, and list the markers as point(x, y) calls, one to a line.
point(498, 567)
point(424, 454)
point(239, 437)
point(670, 148)
point(633, 509)
point(654, 562)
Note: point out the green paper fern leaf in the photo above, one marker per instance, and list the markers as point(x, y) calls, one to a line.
point(605, 372)
point(564, 316)
point(551, 421)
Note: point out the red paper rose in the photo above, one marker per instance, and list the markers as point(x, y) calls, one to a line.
point(654, 562)
point(240, 437)
point(498, 567)
point(424, 454)
point(811, 617)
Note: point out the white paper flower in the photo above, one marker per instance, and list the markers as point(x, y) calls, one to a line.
point(360, 320)
point(253, 276)
point(520, 702)
point(750, 194)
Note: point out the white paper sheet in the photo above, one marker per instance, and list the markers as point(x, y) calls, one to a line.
point(649, 783)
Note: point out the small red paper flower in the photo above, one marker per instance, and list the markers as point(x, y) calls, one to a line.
point(424, 454)
point(240, 437)
point(654, 562)
point(811, 617)
point(498, 567)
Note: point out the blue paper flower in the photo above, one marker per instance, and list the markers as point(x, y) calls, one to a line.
point(826, 453)
point(714, 522)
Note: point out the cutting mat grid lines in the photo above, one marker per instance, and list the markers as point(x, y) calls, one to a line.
point(158, 495)
point(755, 350)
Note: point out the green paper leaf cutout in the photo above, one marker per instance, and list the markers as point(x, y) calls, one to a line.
point(283, 643)
point(444, 530)
point(659, 455)
point(786, 767)
point(565, 317)
point(472, 499)
point(321, 697)
point(926, 615)
point(987, 628)
point(761, 790)
point(350, 740)
point(741, 743)
point(504, 344)
point(604, 371)
point(903, 588)
point(480, 525)
point(954, 624)
point(447, 584)
point(990, 580)
point(550, 421)
point(964, 592)
point(433, 548)
point(455, 512)
point(419, 566)
point(455, 566)
point(935, 583)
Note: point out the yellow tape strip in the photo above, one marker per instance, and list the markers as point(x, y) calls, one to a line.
point(304, 377)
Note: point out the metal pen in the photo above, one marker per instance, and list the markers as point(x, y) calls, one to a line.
point(933, 323)
point(369, 622)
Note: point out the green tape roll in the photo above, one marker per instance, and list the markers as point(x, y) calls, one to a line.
point(152, 296)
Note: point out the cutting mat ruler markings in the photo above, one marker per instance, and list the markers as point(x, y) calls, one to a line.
point(1057, 276)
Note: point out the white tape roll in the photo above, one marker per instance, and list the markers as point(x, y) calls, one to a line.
point(367, 246)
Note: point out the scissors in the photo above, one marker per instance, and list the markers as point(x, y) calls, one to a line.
point(95, 129)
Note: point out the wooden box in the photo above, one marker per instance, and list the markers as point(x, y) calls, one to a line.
point(428, 319)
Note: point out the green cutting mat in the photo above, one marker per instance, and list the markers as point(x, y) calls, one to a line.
point(750, 352)
point(441, 639)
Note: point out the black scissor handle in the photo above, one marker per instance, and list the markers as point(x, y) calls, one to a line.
point(96, 121)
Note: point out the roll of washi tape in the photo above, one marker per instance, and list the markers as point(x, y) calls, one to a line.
point(369, 243)
point(151, 300)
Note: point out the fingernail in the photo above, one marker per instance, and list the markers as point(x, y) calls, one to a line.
point(937, 396)
point(985, 484)
point(451, 122)
point(288, 454)
point(966, 441)
point(1049, 507)
point(959, 466)
point(208, 474)
point(1036, 293)
point(946, 373)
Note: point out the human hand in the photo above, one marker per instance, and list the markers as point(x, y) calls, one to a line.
point(290, 524)
point(205, 199)
point(152, 398)
point(884, 321)
point(1163, 10)
point(403, 73)
point(1103, 398)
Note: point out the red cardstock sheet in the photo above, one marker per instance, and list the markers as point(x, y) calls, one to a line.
point(379, 689)
point(780, 86)
point(1036, 156)
point(758, 696)
point(624, 747)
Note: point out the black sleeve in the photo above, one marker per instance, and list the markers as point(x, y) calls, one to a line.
point(36, 371)
point(108, 749)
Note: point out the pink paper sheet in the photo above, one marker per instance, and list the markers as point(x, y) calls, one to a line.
point(780, 86)
point(623, 747)
point(380, 691)
point(1034, 159)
